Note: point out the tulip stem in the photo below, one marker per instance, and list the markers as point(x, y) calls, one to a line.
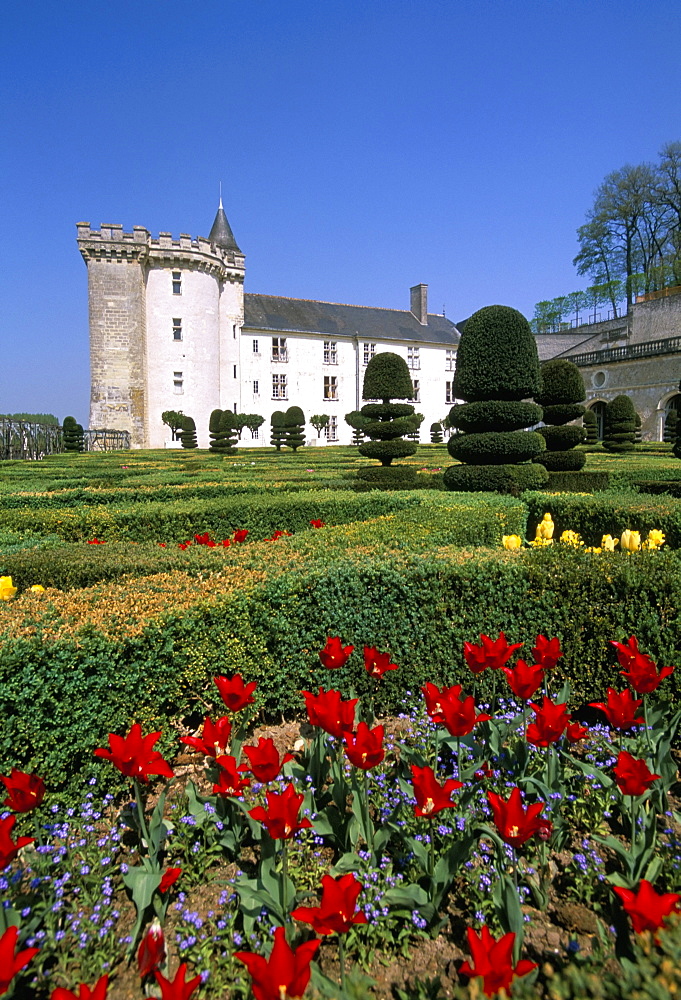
point(647, 727)
point(341, 960)
point(284, 878)
point(458, 757)
point(141, 818)
point(633, 822)
point(368, 829)
point(431, 857)
point(437, 749)
point(515, 868)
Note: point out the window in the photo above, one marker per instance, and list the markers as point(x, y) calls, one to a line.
point(177, 329)
point(369, 351)
point(256, 387)
point(234, 330)
point(450, 360)
point(177, 283)
point(279, 387)
point(279, 349)
point(331, 429)
point(234, 366)
point(178, 383)
point(330, 387)
point(413, 358)
point(254, 433)
point(330, 352)
point(449, 392)
point(256, 349)
point(417, 390)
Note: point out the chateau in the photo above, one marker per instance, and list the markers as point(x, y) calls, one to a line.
point(171, 328)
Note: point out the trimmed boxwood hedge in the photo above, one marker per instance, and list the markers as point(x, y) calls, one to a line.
point(496, 447)
point(502, 414)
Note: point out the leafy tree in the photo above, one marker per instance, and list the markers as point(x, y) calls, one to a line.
point(319, 421)
point(240, 421)
point(173, 419)
point(32, 418)
point(294, 426)
point(254, 421)
point(561, 396)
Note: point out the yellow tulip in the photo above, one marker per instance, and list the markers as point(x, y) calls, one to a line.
point(37, 588)
point(571, 538)
point(7, 591)
point(655, 539)
point(594, 548)
point(545, 528)
point(630, 540)
point(608, 543)
point(512, 541)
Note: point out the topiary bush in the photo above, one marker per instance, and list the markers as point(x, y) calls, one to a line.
point(590, 424)
point(294, 425)
point(73, 435)
point(357, 422)
point(214, 429)
point(278, 435)
point(436, 433)
point(497, 369)
point(387, 377)
point(671, 421)
point(188, 433)
point(561, 397)
point(620, 425)
point(227, 434)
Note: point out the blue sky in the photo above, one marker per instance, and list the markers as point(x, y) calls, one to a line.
point(363, 146)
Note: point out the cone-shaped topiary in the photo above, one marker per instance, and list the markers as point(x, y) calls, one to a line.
point(590, 423)
point(73, 435)
point(278, 435)
point(436, 433)
point(188, 433)
point(387, 377)
point(294, 425)
point(227, 434)
point(620, 425)
point(561, 396)
point(497, 369)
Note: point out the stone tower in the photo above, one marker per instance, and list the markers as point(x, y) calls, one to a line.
point(165, 319)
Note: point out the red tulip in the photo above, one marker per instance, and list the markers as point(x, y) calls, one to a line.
point(285, 973)
point(549, 724)
point(11, 963)
point(169, 878)
point(337, 911)
point(459, 714)
point(524, 679)
point(281, 816)
point(633, 776)
point(328, 711)
point(639, 669)
point(152, 949)
point(365, 747)
point(240, 535)
point(8, 847)
point(96, 992)
point(96, 541)
point(646, 907)
point(214, 738)
point(230, 782)
point(235, 694)
point(133, 754)
point(575, 732)
point(25, 791)
point(334, 654)
point(620, 709)
point(226, 542)
point(493, 960)
point(277, 534)
point(377, 663)
point(183, 545)
point(265, 763)
point(204, 539)
point(514, 824)
point(492, 653)
point(434, 697)
point(317, 523)
point(431, 796)
point(546, 652)
point(177, 988)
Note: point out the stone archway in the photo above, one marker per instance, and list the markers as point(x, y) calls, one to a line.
point(597, 406)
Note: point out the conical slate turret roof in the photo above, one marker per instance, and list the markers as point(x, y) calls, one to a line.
point(221, 232)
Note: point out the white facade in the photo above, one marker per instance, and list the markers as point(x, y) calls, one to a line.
point(176, 310)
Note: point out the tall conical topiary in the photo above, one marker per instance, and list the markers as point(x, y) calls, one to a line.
point(590, 424)
point(387, 377)
point(188, 433)
point(620, 425)
point(497, 371)
point(278, 434)
point(294, 425)
point(561, 395)
point(73, 435)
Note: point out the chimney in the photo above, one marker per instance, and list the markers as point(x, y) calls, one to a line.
point(419, 303)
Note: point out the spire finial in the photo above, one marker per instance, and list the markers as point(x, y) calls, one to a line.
point(220, 206)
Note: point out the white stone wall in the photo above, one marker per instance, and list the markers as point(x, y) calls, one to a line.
point(196, 356)
point(231, 320)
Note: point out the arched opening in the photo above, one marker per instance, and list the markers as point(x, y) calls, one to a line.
point(599, 409)
point(672, 414)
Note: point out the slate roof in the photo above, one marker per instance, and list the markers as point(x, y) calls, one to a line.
point(284, 315)
point(221, 232)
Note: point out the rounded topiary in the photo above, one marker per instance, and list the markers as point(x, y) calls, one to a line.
point(214, 429)
point(278, 435)
point(561, 396)
point(73, 435)
point(294, 425)
point(227, 434)
point(436, 433)
point(188, 433)
point(620, 425)
point(590, 424)
point(387, 377)
point(497, 368)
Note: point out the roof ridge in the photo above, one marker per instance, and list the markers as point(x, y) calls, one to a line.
point(325, 302)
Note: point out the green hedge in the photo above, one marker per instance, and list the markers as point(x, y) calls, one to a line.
point(59, 699)
point(593, 516)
